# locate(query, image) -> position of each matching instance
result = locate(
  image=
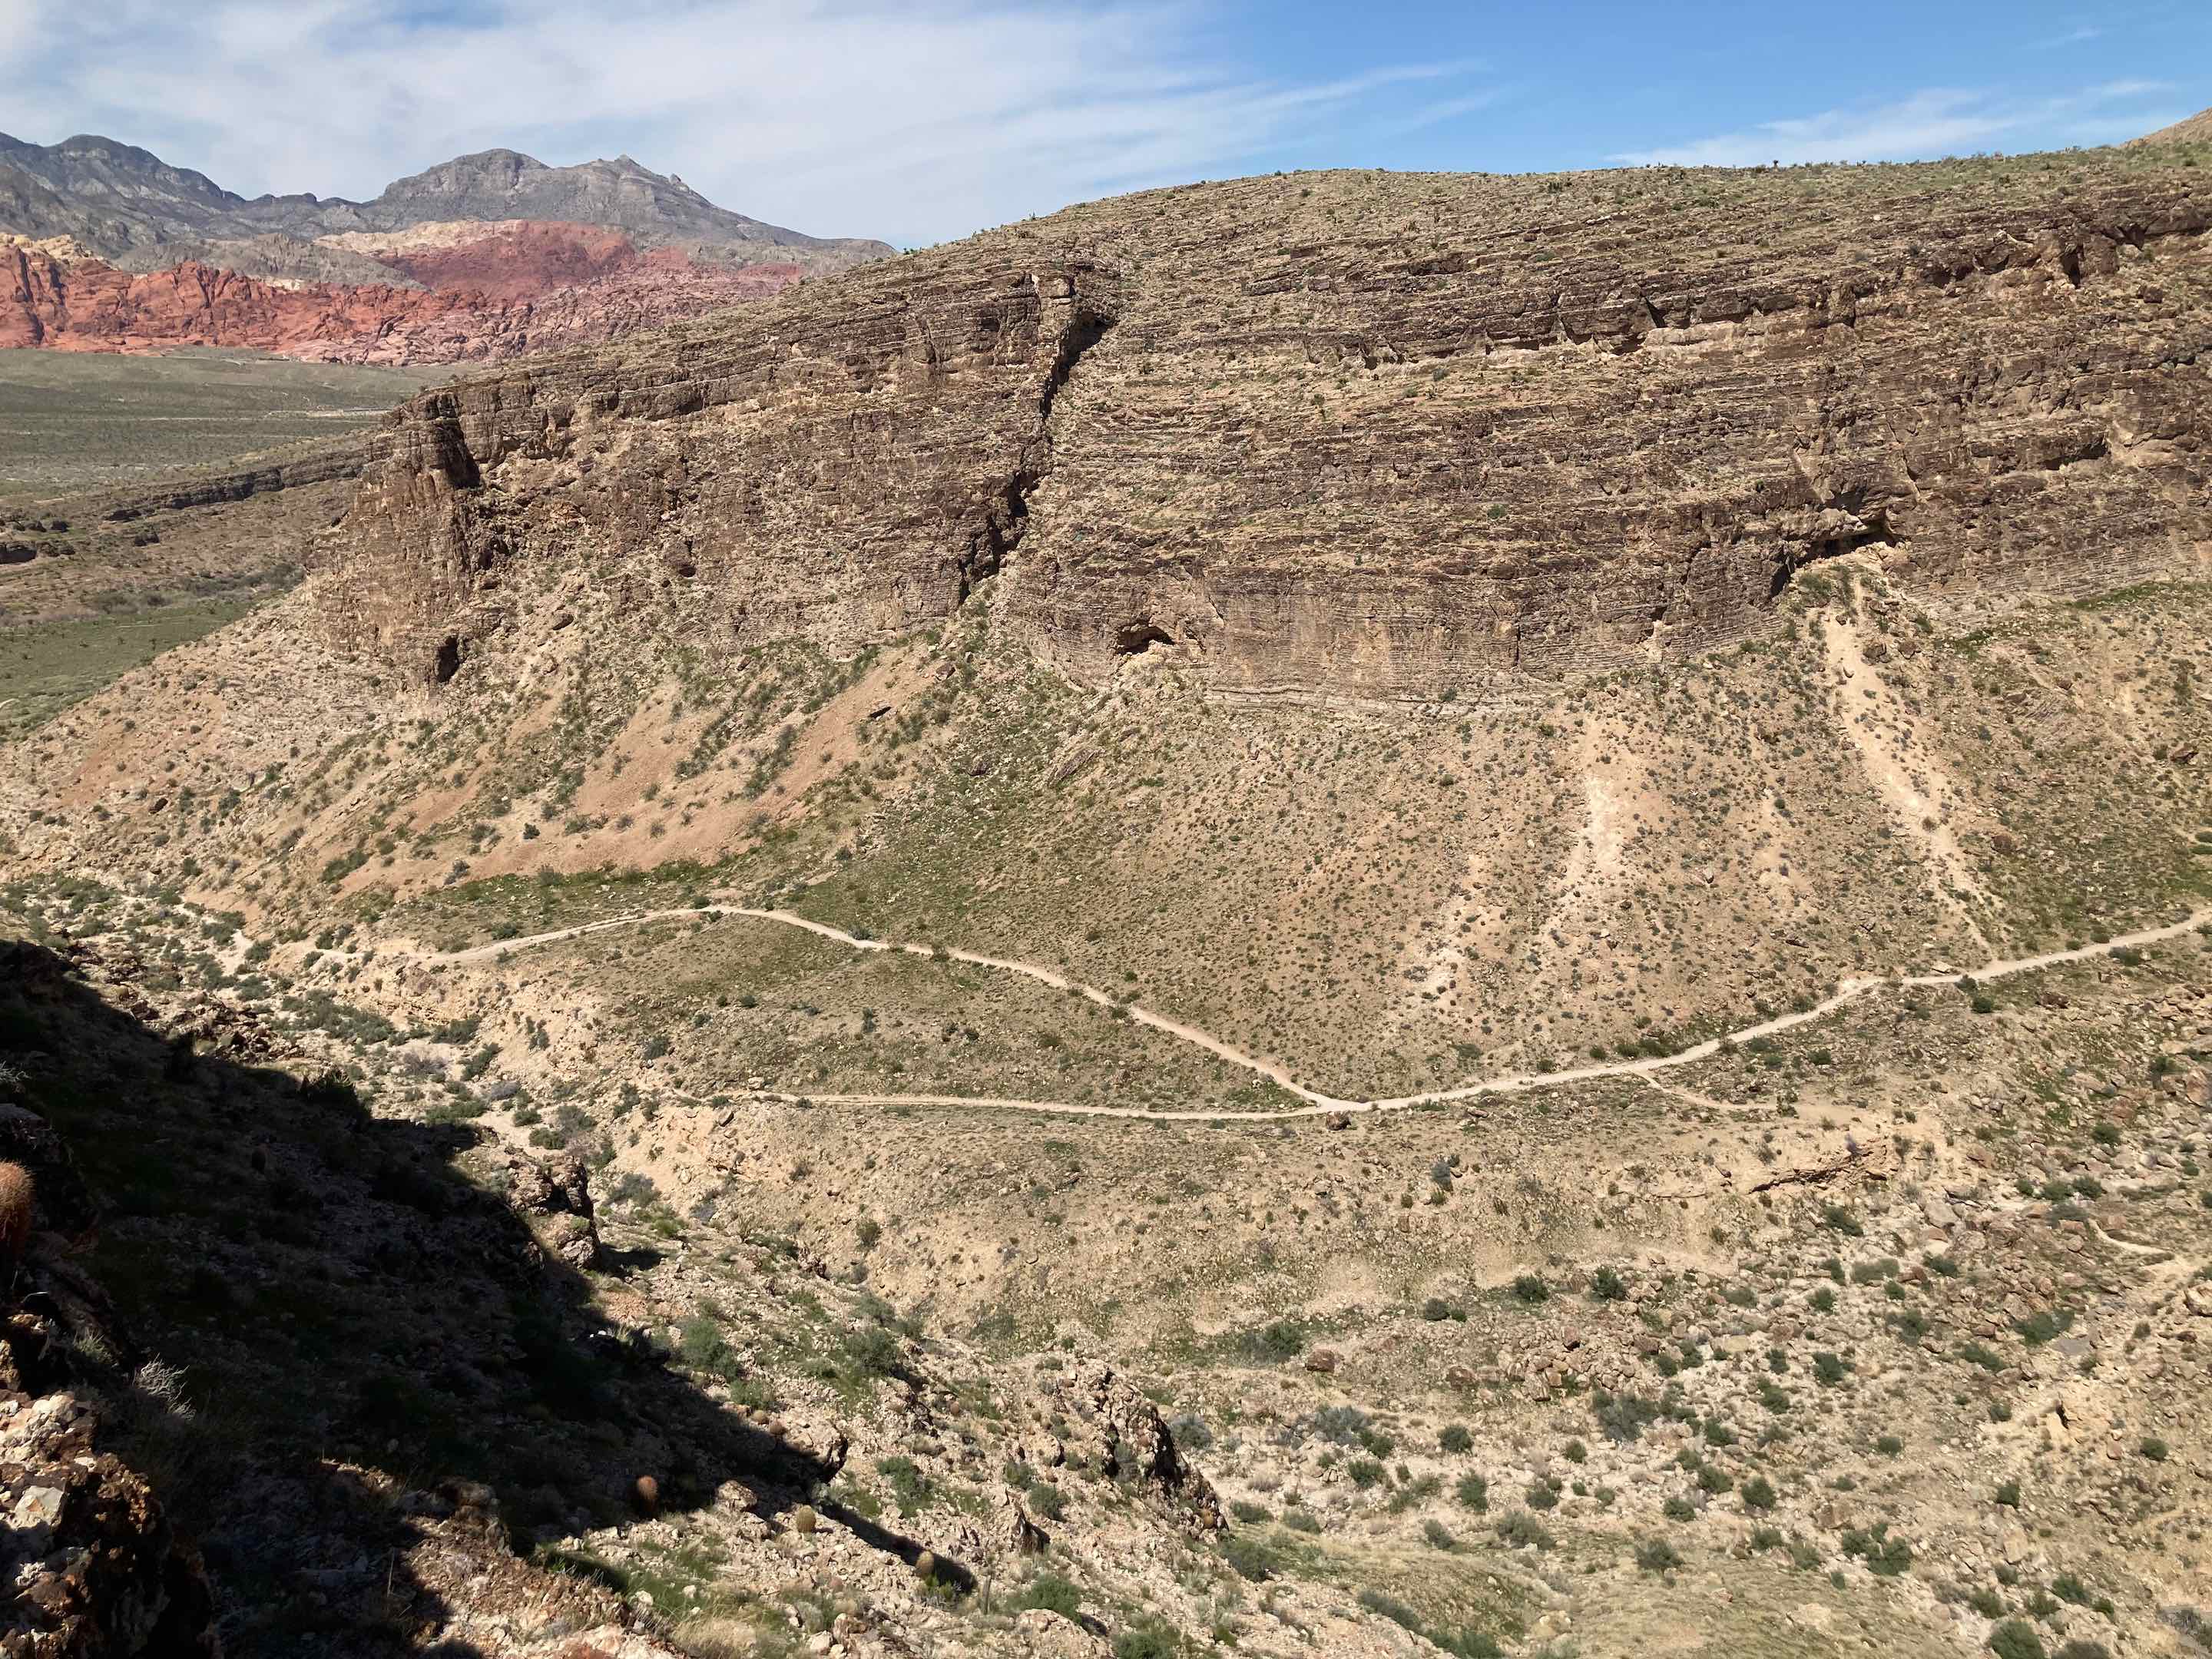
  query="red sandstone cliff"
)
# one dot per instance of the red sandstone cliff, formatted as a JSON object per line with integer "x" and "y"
{"x": 525, "y": 287}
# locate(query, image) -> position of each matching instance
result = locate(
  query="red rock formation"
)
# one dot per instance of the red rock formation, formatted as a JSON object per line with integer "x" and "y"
{"x": 525, "y": 288}
{"x": 521, "y": 261}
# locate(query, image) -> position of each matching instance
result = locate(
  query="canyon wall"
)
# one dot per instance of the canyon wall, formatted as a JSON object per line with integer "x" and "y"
{"x": 1355, "y": 434}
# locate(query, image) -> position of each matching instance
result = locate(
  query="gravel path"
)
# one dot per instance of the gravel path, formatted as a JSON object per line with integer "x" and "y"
{"x": 1318, "y": 1104}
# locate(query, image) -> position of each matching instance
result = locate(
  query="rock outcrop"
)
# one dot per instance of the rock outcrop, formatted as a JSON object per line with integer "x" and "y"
{"x": 888, "y": 445}
{"x": 531, "y": 289}
{"x": 2196, "y": 130}
{"x": 91, "y": 1556}
{"x": 1360, "y": 434}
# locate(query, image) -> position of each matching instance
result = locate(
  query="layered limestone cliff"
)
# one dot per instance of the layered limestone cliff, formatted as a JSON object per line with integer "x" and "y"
{"x": 1357, "y": 434}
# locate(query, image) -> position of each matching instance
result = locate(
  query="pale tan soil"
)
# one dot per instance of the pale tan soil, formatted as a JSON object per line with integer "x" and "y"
{"x": 1319, "y": 1105}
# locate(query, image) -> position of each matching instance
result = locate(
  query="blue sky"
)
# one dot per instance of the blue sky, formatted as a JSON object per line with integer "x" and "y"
{"x": 919, "y": 120}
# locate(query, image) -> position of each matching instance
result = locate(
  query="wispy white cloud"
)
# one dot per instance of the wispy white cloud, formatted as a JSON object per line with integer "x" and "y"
{"x": 913, "y": 119}
{"x": 1937, "y": 121}
{"x": 1436, "y": 114}
{"x": 2073, "y": 37}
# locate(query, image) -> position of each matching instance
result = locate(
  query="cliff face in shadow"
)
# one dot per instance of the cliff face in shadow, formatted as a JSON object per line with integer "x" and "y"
{"x": 353, "y": 1373}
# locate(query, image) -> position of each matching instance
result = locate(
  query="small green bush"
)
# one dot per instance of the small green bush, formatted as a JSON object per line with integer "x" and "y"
{"x": 1249, "y": 1558}
{"x": 1521, "y": 1528}
{"x": 1052, "y": 1593}
{"x": 2015, "y": 1639}
{"x": 1657, "y": 1555}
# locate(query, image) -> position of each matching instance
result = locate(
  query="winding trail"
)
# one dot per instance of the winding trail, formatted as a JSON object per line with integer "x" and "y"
{"x": 1318, "y": 1104}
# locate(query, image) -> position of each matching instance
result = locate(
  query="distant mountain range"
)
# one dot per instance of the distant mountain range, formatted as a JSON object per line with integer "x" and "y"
{"x": 486, "y": 255}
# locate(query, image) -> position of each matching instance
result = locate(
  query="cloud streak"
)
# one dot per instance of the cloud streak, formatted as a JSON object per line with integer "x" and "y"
{"x": 912, "y": 119}
{"x": 1937, "y": 121}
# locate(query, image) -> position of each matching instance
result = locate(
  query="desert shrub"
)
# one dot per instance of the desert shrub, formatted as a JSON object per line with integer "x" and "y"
{"x": 2041, "y": 1327}
{"x": 2008, "y": 1494}
{"x": 1148, "y": 1639}
{"x": 701, "y": 1346}
{"x": 1249, "y": 1558}
{"x": 1758, "y": 1494}
{"x": 1624, "y": 1417}
{"x": 331, "y": 1088}
{"x": 1366, "y": 1472}
{"x": 1455, "y": 1438}
{"x": 1679, "y": 1508}
{"x": 2015, "y": 1639}
{"x": 908, "y": 1484}
{"x": 1474, "y": 1493}
{"x": 1657, "y": 1555}
{"x": 1390, "y": 1607}
{"x": 1249, "y": 1513}
{"x": 1052, "y": 1593}
{"x": 1885, "y": 1556}
{"x": 16, "y": 1208}
{"x": 1974, "y": 1353}
{"x": 2154, "y": 1449}
{"x": 1530, "y": 1291}
{"x": 1438, "y": 1534}
{"x": 1541, "y": 1495}
{"x": 1271, "y": 1344}
{"x": 1521, "y": 1528}
{"x": 1606, "y": 1285}
{"x": 1344, "y": 1425}
{"x": 1190, "y": 1432}
{"x": 1831, "y": 1369}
